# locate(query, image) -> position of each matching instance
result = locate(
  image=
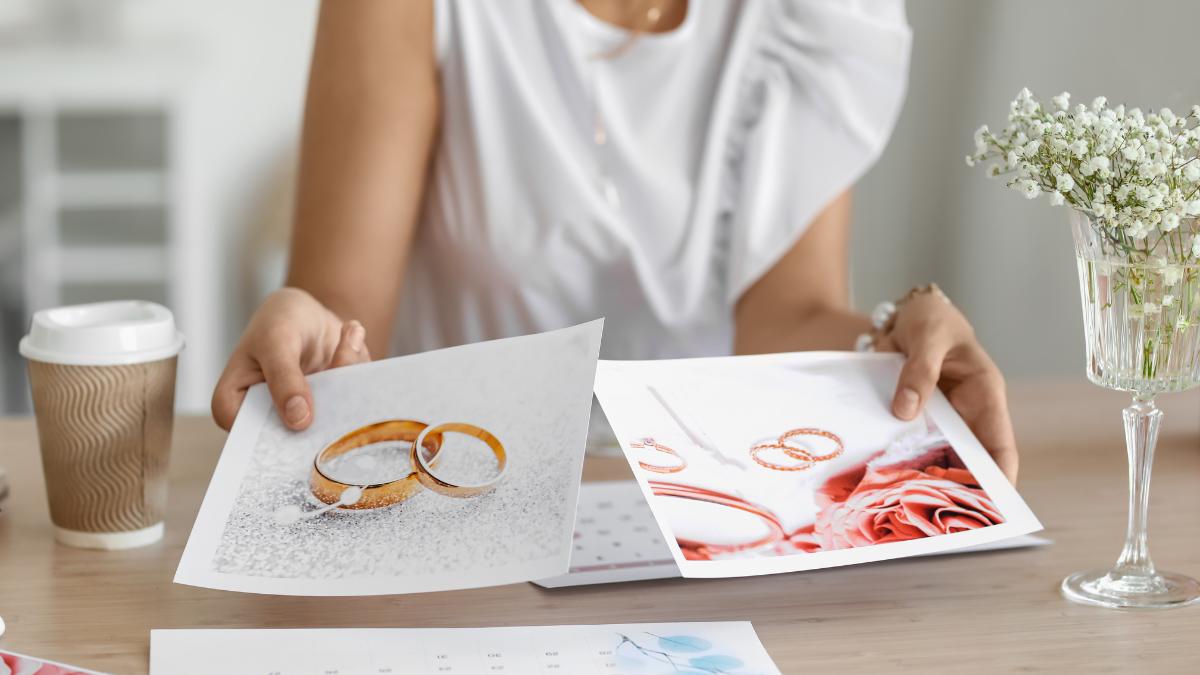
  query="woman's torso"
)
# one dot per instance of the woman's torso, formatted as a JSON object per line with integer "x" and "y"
{"x": 698, "y": 182}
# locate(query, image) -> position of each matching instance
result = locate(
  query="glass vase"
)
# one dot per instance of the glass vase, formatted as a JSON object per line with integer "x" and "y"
{"x": 1141, "y": 317}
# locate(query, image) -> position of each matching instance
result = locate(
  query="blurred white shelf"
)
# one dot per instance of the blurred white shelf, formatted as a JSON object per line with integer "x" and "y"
{"x": 83, "y": 264}
{"x": 75, "y": 104}
{"x": 101, "y": 75}
{"x": 100, "y": 189}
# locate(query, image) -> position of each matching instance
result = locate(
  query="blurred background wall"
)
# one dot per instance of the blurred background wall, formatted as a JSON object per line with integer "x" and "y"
{"x": 147, "y": 148}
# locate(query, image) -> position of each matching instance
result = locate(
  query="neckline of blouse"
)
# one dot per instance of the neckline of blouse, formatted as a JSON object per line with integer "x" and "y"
{"x": 614, "y": 33}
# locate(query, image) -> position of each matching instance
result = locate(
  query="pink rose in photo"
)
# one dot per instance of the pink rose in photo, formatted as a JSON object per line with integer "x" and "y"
{"x": 881, "y": 501}
{"x": 23, "y": 665}
{"x": 898, "y": 504}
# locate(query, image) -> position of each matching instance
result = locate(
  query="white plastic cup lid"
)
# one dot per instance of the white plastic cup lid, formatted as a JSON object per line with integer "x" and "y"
{"x": 102, "y": 334}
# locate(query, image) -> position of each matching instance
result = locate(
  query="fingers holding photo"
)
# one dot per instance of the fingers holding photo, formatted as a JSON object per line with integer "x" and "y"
{"x": 941, "y": 349}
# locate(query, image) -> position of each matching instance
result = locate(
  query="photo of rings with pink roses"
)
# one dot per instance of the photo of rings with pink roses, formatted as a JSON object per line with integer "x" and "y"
{"x": 811, "y": 471}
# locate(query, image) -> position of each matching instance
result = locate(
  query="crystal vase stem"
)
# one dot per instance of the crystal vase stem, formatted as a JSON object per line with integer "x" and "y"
{"x": 1142, "y": 420}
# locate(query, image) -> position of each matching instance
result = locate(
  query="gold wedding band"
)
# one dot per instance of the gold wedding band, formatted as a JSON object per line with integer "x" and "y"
{"x": 329, "y": 490}
{"x": 800, "y": 453}
{"x": 443, "y": 487}
{"x": 779, "y": 445}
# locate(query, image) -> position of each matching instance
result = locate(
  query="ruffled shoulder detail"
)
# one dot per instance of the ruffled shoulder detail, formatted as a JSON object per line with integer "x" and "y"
{"x": 818, "y": 97}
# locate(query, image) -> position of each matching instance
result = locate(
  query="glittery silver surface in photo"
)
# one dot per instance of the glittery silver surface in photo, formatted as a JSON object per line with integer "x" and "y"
{"x": 532, "y": 393}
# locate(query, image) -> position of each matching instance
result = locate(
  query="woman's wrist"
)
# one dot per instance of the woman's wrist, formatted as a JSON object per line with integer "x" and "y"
{"x": 883, "y": 317}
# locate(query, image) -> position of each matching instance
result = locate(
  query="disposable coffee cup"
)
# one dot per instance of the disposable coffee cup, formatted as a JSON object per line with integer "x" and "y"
{"x": 103, "y": 382}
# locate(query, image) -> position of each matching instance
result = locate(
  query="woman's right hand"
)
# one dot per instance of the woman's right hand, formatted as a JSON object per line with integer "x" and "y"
{"x": 292, "y": 334}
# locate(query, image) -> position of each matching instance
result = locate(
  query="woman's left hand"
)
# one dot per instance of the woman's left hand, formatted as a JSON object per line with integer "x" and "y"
{"x": 941, "y": 351}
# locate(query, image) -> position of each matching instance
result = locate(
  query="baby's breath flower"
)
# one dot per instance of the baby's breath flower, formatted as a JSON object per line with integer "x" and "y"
{"x": 1064, "y": 183}
{"x": 1135, "y": 172}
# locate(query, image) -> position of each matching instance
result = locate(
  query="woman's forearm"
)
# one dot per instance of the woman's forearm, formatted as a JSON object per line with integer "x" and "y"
{"x": 821, "y": 329}
{"x": 803, "y": 302}
{"x": 369, "y": 126}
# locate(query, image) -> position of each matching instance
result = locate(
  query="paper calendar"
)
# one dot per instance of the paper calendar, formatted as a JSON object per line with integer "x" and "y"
{"x": 616, "y": 539}
{"x": 731, "y": 648}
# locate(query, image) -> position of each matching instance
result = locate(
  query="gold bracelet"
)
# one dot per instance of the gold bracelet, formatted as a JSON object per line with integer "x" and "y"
{"x": 329, "y": 490}
{"x": 440, "y": 486}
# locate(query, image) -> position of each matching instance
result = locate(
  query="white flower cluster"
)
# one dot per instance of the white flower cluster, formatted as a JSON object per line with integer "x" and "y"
{"x": 1136, "y": 174}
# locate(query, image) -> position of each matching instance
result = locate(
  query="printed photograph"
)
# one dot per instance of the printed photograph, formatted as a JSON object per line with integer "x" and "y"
{"x": 447, "y": 469}
{"x": 917, "y": 487}
{"x": 811, "y": 463}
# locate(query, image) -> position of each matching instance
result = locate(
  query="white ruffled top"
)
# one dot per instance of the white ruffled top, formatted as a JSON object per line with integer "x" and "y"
{"x": 722, "y": 139}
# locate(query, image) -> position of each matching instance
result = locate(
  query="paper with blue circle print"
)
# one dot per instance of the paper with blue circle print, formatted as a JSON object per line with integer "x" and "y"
{"x": 677, "y": 652}
{"x": 688, "y": 648}
{"x": 694, "y": 648}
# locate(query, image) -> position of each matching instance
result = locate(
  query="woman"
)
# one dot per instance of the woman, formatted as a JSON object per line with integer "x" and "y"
{"x": 473, "y": 169}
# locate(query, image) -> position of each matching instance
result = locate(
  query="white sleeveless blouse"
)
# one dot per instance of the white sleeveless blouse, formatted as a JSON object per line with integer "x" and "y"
{"x": 722, "y": 139}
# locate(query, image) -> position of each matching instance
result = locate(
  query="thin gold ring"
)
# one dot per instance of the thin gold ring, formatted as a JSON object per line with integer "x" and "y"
{"x": 655, "y": 445}
{"x": 759, "y": 447}
{"x": 800, "y": 453}
{"x": 443, "y": 487}
{"x": 329, "y": 490}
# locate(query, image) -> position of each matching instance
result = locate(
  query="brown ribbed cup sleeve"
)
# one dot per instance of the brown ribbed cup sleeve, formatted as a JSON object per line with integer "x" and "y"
{"x": 105, "y": 435}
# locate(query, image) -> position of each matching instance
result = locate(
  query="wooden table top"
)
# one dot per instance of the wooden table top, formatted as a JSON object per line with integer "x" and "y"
{"x": 997, "y": 611}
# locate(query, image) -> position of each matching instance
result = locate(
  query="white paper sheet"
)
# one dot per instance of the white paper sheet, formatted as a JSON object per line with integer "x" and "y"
{"x": 617, "y": 540}
{"x": 894, "y": 489}
{"x": 533, "y": 393}
{"x": 730, "y": 648}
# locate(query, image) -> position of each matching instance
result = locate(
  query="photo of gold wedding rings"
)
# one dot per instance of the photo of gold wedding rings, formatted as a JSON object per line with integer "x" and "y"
{"x": 786, "y": 442}
{"x": 426, "y": 445}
